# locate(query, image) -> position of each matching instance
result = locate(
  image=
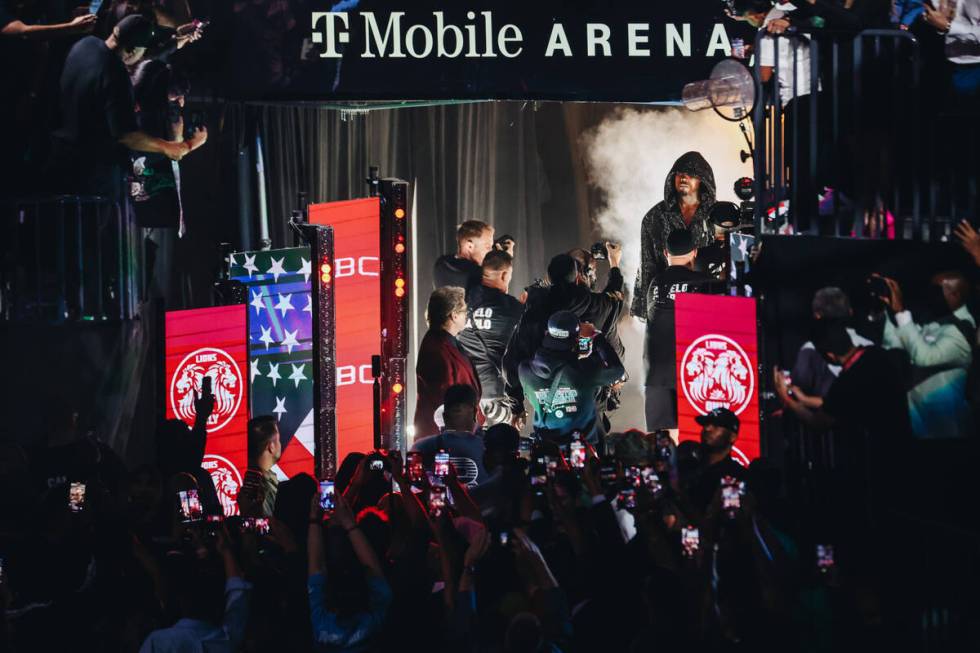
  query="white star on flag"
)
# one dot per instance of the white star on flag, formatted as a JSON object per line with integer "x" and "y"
{"x": 266, "y": 337}
{"x": 284, "y": 305}
{"x": 290, "y": 341}
{"x": 255, "y": 369}
{"x": 250, "y": 264}
{"x": 309, "y": 304}
{"x": 280, "y": 407}
{"x": 297, "y": 374}
{"x": 305, "y": 269}
{"x": 257, "y": 302}
{"x": 274, "y": 373}
{"x": 276, "y": 268}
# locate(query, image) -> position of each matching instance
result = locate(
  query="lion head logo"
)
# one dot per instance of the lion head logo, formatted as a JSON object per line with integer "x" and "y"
{"x": 226, "y": 385}
{"x": 227, "y": 481}
{"x": 717, "y": 373}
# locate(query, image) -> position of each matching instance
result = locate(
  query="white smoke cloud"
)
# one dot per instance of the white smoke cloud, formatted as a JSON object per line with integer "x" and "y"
{"x": 628, "y": 157}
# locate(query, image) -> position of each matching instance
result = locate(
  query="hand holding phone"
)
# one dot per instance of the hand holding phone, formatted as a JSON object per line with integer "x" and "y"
{"x": 415, "y": 468}
{"x": 690, "y": 541}
{"x": 437, "y": 500}
{"x": 577, "y": 455}
{"x": 441, "y": 468}
{"x": 327, "y": 503}
{"x": 76, "y": 497}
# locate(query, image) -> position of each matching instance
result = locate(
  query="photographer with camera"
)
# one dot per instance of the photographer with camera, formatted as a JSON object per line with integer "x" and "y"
{"x": 568, "y": 292}
{"x": 561, "y": 381}
{"x": 940, "y": 352}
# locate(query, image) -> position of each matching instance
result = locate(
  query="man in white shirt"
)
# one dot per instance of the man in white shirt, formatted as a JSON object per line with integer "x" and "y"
{"x": 788, "y": 56}
{"x": 959, "y": 20}
{"x": 941, "y": 353}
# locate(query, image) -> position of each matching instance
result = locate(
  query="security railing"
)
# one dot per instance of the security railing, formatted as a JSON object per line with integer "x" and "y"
{"x": 68, "y": 258}
{"x": 853, "y": 139}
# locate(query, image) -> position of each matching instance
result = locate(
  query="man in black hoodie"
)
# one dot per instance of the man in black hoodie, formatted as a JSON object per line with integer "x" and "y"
{"x": 564, "y": 294}
{"x": 689, "y": 194}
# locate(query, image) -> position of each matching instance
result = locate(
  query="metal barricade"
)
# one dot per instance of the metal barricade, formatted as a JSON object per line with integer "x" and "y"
{"x": 864, "y": 127}
{"x": 68, "y": 258}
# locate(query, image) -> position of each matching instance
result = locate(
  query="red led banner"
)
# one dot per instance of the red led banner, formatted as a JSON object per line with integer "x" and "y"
{"x": 717, "y": 365}
{"x": 212, "y": 342}
{"x": 357, "y": 301}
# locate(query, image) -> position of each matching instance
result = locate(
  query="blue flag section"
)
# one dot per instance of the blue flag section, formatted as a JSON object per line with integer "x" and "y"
{"x": 280, "y": 346}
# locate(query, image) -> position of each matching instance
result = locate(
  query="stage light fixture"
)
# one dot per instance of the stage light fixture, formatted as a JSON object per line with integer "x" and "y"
{"x": 400, "y": 248}
{"x": 399, "y": 213}
{"x": 397, "y": 388}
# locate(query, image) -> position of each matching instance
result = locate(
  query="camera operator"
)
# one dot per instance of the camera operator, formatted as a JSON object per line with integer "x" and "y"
{"x": 940, "y": 352}
{"x": 561, "y": 381}
{"x": 679, "y": 277}
{"x": 567, "y": 292}
{"x": 492, "y": 317}
{"x": 98, "y": 113}
{"x": 689, "y": 194}
{"x": 159, "y": 93}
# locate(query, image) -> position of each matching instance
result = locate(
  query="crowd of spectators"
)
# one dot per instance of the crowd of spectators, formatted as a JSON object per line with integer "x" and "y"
{"x": 648, "y": 545}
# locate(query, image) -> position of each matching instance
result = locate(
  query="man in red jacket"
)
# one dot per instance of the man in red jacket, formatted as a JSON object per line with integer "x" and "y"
{"x": 440, "y": 362}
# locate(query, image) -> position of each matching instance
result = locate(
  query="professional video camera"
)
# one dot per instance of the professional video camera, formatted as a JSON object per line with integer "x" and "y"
{"x": 728, "y": 216}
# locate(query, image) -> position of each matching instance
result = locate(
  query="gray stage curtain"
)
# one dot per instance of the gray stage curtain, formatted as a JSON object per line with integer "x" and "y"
{"x": 515, "y": 165}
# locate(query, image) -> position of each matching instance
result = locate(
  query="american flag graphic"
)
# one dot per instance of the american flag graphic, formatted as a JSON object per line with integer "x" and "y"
{"x": 280, "y": 347}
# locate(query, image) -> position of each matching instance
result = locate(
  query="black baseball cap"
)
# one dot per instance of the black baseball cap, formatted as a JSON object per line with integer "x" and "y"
{"x": 134, "y": 31}
{"x": 719, "y": 417}
{"x": 680, "y": 242}
{"x": 562, "y": 331}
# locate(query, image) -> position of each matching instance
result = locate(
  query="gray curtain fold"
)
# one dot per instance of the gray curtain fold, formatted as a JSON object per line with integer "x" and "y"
{"x": 492, "y": 161}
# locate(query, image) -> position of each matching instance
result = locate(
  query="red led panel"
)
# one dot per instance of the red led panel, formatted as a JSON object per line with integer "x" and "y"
{"x": 212, "y": 342}
{"x": 357, "y": 297}
{"x": 717, "y": 365}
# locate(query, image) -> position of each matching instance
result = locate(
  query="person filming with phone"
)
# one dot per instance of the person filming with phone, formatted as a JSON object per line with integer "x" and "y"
{"x": 562, "y": 378}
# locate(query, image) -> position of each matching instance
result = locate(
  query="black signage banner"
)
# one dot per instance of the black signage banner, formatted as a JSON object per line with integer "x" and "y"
{"x": 616, "y": 50}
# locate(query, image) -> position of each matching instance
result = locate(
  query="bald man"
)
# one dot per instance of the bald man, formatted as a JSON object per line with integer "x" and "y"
{"x": 940, "y": 351}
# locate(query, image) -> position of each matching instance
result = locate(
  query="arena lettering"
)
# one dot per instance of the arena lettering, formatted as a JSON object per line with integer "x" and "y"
{"x": 394, "y": 36}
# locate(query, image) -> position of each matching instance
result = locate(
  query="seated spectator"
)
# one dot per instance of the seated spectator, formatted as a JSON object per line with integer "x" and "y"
{"x": 440, "y": 361}
{"x": 811, "y": 373}
{"x": 257, "y": 497}
{"x": 492, "y": 315}
{"x": 474, "y": 240}
{"x": 204, "y": 625}
{"x": 459, "y": 438}
{"x": 940, "y": 352}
